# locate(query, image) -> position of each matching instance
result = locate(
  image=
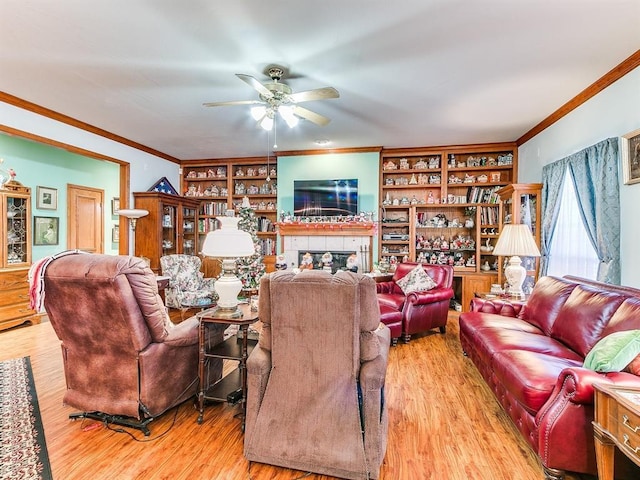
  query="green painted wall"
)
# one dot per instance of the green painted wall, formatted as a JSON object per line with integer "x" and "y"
{"x": 363, "y": 166}
{"x": 46, "y": 166}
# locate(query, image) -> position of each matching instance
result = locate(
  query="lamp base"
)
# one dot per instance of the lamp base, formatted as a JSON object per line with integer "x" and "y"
{"x": 515, "y": 274}
{"x": 227, "y": 312}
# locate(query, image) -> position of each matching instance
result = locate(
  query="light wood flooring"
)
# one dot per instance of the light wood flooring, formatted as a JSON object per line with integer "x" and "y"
{"x": 444, "y": 424}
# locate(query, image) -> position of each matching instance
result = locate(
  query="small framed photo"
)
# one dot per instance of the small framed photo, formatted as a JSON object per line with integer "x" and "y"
{"x": 47, "y": 198}
{"x": 115, "y": 205}
{"x": 45, "y": 230}
{"x": 631, "y": 157}
{"x": 115, "y": 234}
{"x": 495, "y": 177}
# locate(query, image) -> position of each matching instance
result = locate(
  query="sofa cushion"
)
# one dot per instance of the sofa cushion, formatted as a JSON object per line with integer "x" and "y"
{"x": 583, "y": 317}
{"x": 627, "y": 317}
{"x": 417, "y": 280}
{"x": 614, "y": 352}
{"x": 529, "y": 377}
{"x": 544, "y": 304}
{"x": 634, "y": 366}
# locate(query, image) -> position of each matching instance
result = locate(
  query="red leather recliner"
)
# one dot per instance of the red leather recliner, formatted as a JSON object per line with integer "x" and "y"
{"x": 421, "y": 311}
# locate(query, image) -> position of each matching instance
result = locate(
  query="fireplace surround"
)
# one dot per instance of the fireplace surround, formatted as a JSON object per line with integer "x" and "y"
{"x": 340, "y": 239}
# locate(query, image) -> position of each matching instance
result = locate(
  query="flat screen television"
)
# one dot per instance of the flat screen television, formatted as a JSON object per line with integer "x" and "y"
{"x": 325, "y": 197}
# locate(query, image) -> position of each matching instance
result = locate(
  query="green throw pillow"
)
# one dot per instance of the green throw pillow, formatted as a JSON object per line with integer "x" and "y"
{"x": 614, "y": 352}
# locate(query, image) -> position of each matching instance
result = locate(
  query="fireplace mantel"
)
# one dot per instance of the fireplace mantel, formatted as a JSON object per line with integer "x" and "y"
{"x": 310, "y": 229}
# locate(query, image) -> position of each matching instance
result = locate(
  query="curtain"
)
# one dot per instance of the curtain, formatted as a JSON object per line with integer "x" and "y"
{"x": 595, "y": 176}
{"x": 594, "y": 172}
{"x": 553, "y": 176}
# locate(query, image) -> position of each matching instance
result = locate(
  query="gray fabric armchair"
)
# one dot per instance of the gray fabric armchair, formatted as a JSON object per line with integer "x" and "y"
{"x": 316, "y": 378}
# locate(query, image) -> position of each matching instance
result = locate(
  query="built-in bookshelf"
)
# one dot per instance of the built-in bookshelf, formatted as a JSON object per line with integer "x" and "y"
{"x": 442, "y": 205}
{"x": 222, "y": 184}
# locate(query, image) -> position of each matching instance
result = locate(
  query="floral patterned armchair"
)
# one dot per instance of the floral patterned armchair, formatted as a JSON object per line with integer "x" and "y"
{"x": 187, "y": 285}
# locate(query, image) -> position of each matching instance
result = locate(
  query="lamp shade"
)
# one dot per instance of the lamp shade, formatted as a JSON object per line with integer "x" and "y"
{"x": 228, "y": 241}
{"x": 132, "y": 212}
{"x": 516, "y": 239}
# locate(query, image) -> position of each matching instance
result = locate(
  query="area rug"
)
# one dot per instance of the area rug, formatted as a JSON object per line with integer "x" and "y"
{"x": 23, "y": 451}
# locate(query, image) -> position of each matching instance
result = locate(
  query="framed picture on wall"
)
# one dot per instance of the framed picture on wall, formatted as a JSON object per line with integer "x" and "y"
{"x": 45, "y": 230}
{"x": 115, "y": 205}
{"x": 631, "y": 157}
{"x": 115, "y": 234}
{"x": 47, "y": 198}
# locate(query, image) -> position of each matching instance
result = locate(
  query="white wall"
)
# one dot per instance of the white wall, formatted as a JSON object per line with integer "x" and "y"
{"x": 612, "y": 113}
{"x": 145, "y": 169}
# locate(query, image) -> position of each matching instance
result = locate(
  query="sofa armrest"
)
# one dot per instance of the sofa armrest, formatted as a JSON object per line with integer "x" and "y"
{"x": 373, "y": 370}
{"x": 184, "y": 333}
{"x": 576, "y": 383}
{"x": 430, "y": 296}
{"x": 497, "y": 306}
{"x": 385, "y": 287}
{"x": 258, "y": 371}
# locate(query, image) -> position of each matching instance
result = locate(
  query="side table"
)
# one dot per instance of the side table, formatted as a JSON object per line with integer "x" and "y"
{"x": 616, "y": 423}
{"x": 501, "y": 296}
{"x": 233, "y": 348}
{"x": 201, "y": 303}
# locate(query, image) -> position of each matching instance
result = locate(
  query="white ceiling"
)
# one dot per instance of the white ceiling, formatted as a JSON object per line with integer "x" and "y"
{"x": 409, "y": 72}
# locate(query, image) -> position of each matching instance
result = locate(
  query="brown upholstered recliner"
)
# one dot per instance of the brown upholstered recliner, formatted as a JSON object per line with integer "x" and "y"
{"x": 124, "y": 361}
{"x": 421, "y": 311}
{"x": 316, "y": 378}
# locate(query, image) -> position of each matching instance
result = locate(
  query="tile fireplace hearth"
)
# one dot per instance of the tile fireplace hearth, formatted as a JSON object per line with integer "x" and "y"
{"x": 341, "y": 239}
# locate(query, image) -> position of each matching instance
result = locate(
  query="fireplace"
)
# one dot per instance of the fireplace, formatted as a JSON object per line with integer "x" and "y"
{"x": 340, "y": 239}
{"x": 339, "y": 261}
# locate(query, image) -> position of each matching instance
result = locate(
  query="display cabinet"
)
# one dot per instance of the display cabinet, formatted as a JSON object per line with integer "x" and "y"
{"x": 521, "y": 203}
{"x": 15, "y": 256}
{"x": 171, "y": 227}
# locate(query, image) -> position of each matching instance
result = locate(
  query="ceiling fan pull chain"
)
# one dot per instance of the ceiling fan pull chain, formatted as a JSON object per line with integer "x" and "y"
{"x": 275, "y": 135}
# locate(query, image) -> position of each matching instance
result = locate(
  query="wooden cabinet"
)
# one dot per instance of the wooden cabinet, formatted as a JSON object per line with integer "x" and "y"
{"x": 616, "y": 424}
{"x": 222, "y": 184}
{"x": 172, "y": 226}
{"x": 15, "y": 256}
{"x": 521, "y": 203}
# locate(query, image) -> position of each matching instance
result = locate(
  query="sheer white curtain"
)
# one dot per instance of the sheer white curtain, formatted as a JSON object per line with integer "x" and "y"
{"x": 571, "y": 252}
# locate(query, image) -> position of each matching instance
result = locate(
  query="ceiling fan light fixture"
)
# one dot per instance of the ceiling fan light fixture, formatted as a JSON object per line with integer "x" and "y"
{"x": 286, "y": 112}
{"x": 267, "y": 122}
{"x": 258, "y": 113}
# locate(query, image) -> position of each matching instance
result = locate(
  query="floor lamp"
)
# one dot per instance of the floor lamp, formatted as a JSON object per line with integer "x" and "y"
{"x": 228, "y": 243}
{"x": 133, "y": 214}
{"x": 515, "y": 241}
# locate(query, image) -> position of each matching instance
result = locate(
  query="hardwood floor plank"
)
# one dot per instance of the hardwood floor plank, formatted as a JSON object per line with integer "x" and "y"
{"x": 444, "y": 423}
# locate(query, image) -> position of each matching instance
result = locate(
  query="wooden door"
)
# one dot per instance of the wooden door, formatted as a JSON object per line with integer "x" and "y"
{"x": 85, "y": 218}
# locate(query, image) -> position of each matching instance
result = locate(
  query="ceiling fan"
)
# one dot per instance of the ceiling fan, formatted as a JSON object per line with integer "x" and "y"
{"x": 277, "y": 97}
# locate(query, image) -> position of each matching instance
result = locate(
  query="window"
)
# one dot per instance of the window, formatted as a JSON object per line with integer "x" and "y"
{"x": 571, "y": 252}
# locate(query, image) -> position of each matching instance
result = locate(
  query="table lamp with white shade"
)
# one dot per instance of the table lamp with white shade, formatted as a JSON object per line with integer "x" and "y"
{"x": 133, "y": 214}
{"x": 228, "y": 243}
{"x": 515, "y": 241}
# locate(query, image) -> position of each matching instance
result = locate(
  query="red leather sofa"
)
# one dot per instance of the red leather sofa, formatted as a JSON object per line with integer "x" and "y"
{"x": 420, "y": 311}
{"x": 532, "y": 358}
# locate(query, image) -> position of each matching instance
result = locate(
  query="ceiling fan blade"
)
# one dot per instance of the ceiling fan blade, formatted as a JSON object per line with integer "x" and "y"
{"x": 253, "y": 83}
{"x": 239, "y": 102}
{"x": 317, "y": 94}
{"x": 311, "y": 116}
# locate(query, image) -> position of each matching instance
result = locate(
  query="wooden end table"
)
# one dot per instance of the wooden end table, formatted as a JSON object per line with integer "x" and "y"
{"x": 233, "y": 348}
{"x": 616, "y": 423}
